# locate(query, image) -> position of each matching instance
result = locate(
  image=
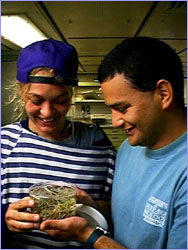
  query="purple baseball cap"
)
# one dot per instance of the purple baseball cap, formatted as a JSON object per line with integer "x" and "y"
{"x": 58, "y": 55}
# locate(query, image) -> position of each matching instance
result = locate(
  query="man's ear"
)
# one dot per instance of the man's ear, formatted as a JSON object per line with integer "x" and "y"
{"x": 165, "y": 93}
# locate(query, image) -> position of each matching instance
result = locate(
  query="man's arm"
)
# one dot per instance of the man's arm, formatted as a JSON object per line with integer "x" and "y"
{"x": 104, "y": 242}
{"x": 76, "y": 228}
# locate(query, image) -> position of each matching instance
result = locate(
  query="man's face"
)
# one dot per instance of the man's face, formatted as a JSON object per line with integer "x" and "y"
{"x": 138, "y": 113}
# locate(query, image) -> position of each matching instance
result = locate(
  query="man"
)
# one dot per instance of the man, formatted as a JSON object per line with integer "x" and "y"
{"x": 142, "y": 82}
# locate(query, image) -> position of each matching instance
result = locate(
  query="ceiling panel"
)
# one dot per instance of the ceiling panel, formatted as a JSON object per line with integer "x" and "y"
{"x": 169, "y": 20}
{"x": 95, "y": 27}
{"x": 96, "y": 47}
{"x": 90, "y": 60}
{"x": 98, "y": 19}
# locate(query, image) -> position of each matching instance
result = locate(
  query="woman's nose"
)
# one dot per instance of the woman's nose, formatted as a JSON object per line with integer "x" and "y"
{"x": 117, "y": 119}
{"x": 46, "y": 109}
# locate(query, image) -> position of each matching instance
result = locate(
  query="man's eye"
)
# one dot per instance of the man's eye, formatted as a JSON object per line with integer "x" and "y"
{"x": 60, "y": 102}
{"x": 122, "y": 110}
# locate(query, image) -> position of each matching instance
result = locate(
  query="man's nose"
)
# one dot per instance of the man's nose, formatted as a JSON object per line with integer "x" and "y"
{"x": 117, "y": 119}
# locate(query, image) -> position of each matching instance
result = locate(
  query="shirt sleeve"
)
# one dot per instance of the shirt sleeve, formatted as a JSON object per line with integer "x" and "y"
{"x": 90, "y": 135}
{"x": 177, "y": 238}
{"x": 101, "y": 138}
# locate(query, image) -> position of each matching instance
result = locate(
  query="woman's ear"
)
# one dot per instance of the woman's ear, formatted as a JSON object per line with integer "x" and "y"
{"x": 165, "y": 93}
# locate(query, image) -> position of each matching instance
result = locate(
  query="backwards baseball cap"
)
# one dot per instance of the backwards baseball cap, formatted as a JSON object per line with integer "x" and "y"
{"x": 58, "y": 55}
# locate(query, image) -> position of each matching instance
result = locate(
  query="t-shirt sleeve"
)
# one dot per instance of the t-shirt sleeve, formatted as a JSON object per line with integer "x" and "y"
{"x": 177, "y": 236}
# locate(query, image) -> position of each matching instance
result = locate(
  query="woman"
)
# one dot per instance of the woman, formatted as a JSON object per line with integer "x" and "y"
{"x": 47, "y": 146}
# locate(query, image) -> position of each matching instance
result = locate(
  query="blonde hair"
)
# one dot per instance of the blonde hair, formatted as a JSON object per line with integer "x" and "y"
{"x": 19, "y": 92}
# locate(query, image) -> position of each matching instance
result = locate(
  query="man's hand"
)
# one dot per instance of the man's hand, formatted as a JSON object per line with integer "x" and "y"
{"x": 72, "y": 228}
{"x": 17, "y": 217}
{"x": 76, "y": 228}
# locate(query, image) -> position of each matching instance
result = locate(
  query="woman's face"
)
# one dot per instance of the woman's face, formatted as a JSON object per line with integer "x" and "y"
{"x": 46, "y": 106}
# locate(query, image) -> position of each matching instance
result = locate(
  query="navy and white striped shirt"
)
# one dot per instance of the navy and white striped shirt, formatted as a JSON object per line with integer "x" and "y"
{"x": 86, "y": 159}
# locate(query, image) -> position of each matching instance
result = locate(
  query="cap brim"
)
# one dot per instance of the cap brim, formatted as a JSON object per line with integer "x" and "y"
{"x": 53, "y": 80}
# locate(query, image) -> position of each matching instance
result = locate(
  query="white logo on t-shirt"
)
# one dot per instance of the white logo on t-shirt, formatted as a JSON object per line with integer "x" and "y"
{"x": 155, "y": 212}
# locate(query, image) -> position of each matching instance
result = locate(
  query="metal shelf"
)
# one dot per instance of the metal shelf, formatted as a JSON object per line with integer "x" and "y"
{"x": 85, "y": 101}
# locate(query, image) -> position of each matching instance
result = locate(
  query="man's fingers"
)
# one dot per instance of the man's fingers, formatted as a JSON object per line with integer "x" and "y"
{"x": 55, "y": 225}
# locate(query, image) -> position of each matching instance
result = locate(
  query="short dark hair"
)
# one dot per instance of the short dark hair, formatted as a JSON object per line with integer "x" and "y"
{"x": 144, "y": 61}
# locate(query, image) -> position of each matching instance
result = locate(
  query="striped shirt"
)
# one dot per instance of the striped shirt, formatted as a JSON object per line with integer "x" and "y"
{"x": 85, "y": 159}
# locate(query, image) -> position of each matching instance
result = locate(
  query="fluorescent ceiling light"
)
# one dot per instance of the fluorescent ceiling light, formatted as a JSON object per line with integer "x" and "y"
{"x": 20, "y": 30}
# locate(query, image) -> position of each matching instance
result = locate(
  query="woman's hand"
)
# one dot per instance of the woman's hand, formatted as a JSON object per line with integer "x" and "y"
{"x": 102, "y": 206}
{"x": 17, "y": 217}
{"x": 72, "y": 228}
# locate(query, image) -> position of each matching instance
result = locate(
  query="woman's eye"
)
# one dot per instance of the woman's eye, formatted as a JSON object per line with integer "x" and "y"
{"x": 61, "y": 101}
{"x": 36, "y": 102}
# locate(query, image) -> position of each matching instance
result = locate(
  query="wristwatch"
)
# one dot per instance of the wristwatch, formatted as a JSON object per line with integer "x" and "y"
{"x": 94, "y": 236}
